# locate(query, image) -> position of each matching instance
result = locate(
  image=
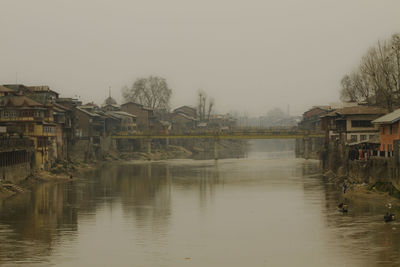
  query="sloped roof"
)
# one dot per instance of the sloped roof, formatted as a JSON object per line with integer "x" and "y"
{"x": 358, "y": 110}
{"x": 388, "y": 118}
{"x": 16, "y": 87}
{"x": 185, "y": 116}
{"x": 122, "y": 113}
{"x": 131, "y": 102}
{"x": 183, "y": 107}
{"x": 41, "y": 88}
{"x": 137, "y": 104}
{"x": 112, "y": 105}
{"x": 4, "y": 89}
{"x": 19, "y": 101}
{"x": 92, "y": 114}
{"x": 61, "y": 106}
{"x": 323, "y": 107}
{"x": 374, "y": 140}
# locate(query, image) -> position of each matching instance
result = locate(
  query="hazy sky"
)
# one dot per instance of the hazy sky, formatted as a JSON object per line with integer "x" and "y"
{"x": 249, "y": 55}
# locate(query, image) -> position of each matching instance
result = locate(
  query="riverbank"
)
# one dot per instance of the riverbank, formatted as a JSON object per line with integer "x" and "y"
{"x": 64, "y": 171}
{"x": 380, "y": 194}
{"x": 61, "y": 172}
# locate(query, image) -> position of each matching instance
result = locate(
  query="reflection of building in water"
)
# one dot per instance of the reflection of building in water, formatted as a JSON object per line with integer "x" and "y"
{"x": 36, "y": 218}
{"x": 144, "y": 191}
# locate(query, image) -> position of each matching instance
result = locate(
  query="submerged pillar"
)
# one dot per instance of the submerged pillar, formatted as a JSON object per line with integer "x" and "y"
{"x": 306, "y": 148}
{"x": 215, "y": 148}
{"x": 148, "y": 146}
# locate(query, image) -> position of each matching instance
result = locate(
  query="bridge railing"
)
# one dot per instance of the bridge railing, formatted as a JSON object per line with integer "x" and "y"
{"x": 289, "y": 133}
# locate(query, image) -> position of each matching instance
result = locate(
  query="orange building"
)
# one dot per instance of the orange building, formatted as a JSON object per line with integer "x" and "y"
{"x": 389, "y": 130}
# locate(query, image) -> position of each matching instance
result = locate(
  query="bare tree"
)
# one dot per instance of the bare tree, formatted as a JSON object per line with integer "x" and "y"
{"x": 376, "y": 81}
{"x": 210, "y": 107}
{"x": 204, "y": 106}
{"x": 152, "y": 92}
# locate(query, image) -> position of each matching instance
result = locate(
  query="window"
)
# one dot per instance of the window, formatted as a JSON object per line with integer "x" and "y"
{"x": 359, "y": 123}
{"x": 38, "y": 114}
{"x": 390, "y": 149}
{"x": 353, "y": 138}
{"x": 382, "y": 129}
{"x": 30, "y": 128}
{"x": 363, "y": 137}
{"x": 371, "y": 136}
{"x": 389, "y": 129}
{"x": 26, "y": 113}
{"x": 395, "y": 128}
{"x": 48, "y": 129}
{"x": 9, "y": 113}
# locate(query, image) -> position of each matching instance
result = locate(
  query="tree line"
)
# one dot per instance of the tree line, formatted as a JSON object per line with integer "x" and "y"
{"x": 376, "y": 81}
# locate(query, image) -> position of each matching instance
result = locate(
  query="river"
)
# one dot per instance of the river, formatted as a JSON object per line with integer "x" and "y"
{"x": 269, "y": 209}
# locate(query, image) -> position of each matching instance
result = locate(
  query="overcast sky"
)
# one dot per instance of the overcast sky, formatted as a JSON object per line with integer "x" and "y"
{"x": 249, "y": 55}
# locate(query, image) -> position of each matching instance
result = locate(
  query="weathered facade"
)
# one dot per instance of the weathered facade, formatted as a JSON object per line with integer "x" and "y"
{"x": 25, "y": 117}
{"x": 182, "y": 123}
{"x": 16, "y": 158}
{"x": 312, "y": 118}
{"x": 144, "y": 116}
{"x": 389, "y": 131}
{"x": 352, "y": 124}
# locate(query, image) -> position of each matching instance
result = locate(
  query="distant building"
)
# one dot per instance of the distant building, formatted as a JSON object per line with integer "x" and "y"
{"x": 126, "y": 122}
{"x": 4, "y": 91}
{"x": 110, "y": 104}
{"x": 144, "y": 116}
{"x": 187, "y": 110}
{"x": 88, "y": 124}
{"x": 182, "y": 123}
{"x": 311, "y": 118}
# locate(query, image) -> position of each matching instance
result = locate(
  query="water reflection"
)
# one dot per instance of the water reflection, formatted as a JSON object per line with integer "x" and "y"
{"x": 231, "y": 212}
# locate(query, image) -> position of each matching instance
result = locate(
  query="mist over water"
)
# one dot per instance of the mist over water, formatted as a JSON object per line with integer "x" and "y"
{"x": 269, "y": 209}
{"x": 271, "y": 149}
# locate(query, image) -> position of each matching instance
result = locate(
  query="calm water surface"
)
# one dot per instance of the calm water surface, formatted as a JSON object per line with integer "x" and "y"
{"x": 269, "y": 209}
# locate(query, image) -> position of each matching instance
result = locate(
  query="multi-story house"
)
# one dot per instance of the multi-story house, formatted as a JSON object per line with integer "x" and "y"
{"x": 26, "y": 117}
{"x": 352, "y": 124}
{"x": 312, "y": 118}
{"x": 145, "y": 118}
{"x": 88, "y": 124}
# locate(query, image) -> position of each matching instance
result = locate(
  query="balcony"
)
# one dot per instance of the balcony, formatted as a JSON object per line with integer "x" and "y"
{"x": 15, "y": 143}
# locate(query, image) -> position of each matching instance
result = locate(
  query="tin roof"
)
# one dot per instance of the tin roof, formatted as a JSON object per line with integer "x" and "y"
{"x": 19, "y": 101}
{"x": 357, "y": 110}
{"x": 4, "y": 89}
{"x": 388, "y": 118}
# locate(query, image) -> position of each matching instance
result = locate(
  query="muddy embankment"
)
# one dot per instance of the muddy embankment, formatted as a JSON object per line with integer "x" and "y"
{"x": 376, "y": 178}
{"x": 85, "y": 156}
{"x": 60, "y": 172}
{"x": 378, "y": 175}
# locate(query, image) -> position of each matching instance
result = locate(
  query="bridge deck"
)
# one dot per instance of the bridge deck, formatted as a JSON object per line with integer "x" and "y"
{"x": 280, "y": 135}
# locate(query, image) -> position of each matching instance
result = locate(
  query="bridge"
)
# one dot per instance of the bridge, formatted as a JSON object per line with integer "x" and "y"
{"x": 215, "y": 136}
{"x": 235, "y": 134}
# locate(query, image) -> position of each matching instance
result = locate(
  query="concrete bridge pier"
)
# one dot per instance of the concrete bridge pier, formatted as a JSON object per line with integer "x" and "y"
{"x": 306, "y": 148}
{"x": 216, "y": 148}
{"x": 148, "y": 145}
